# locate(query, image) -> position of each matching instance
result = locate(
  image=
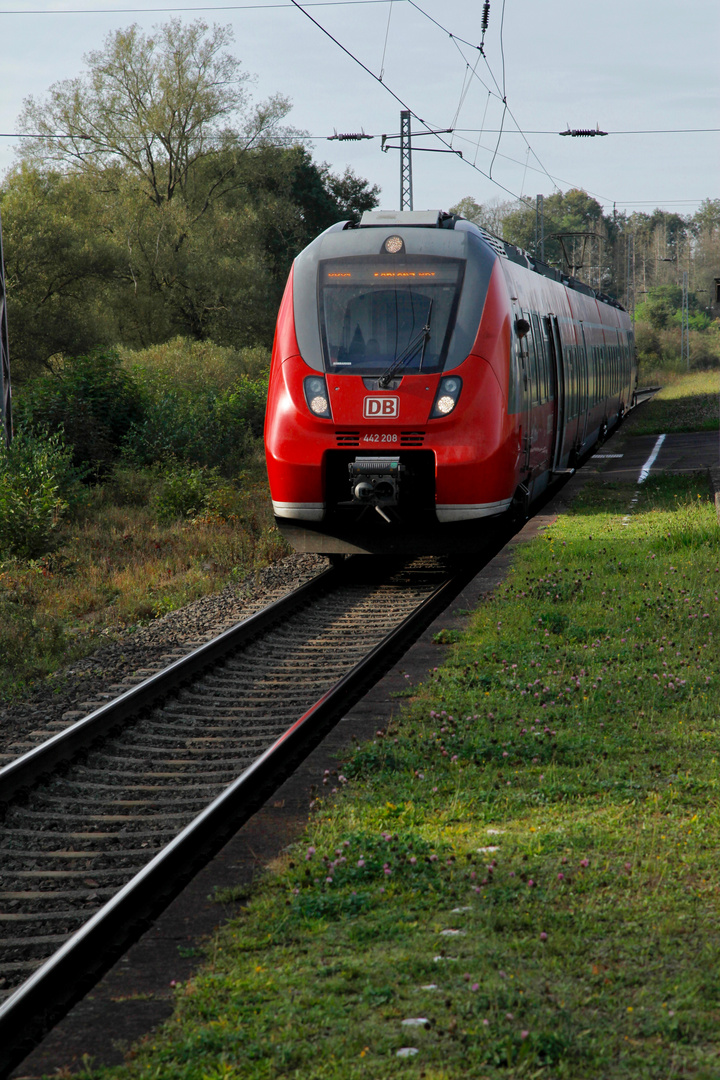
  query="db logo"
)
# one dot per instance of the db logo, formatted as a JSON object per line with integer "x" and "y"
{"x": 381, "y": 407}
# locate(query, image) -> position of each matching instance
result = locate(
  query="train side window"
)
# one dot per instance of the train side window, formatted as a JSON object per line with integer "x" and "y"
{"x": 590, "y": 353}
{"x": 582, "y": 377}
{"x": 601, "y": 371}
{"x": 551, "y": 371}
{"x": 616, "y": 368}
{"x": 614, "y": 372}
{"x": 569, "y": 352}
{"x": 532, "y": 361}
{"x": 542, "y": 359}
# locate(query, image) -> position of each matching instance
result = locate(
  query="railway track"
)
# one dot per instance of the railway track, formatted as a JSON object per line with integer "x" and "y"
{"x": 646, "y": 393}
{"x": 106, "y": 821}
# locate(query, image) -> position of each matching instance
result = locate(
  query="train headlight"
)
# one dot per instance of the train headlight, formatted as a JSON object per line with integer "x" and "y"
{"x": 316, "y": 396}
{"x": 447, "y": 396}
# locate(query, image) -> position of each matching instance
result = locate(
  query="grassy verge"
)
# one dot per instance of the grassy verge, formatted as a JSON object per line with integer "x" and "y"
{"x": 687, "y": 402}
{"x": 145, "y": 543}
{"x": 525, "y": 866}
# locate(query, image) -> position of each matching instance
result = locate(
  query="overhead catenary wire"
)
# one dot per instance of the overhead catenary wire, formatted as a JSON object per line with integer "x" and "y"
{"x": 195, "y": 7}
{"x": 499, "y": 92}
{"x": 387, "y": 34}
{"x": 397, "y": 97}
{"x": 301, "y": 136}
{"x": 450, "y": 130}
{"x": 526, "y": 202}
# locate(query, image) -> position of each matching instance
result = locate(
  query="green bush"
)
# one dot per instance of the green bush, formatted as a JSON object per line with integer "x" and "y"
{"x": 662, "y": 308}
{"x": 38, "y": 485}
{"x": 90, "y": 399}
{"x": 184, "y": 492}
{"x": 195, "y": 365}
{"x": 210, "y": 427}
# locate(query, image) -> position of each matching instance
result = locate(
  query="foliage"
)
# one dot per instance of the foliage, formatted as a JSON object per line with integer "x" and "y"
{"x": 195, "y": 365}
{"x": 627, "y": 255}
{"x": 58, "y": 263}
{"x": 156, "y": 105}
{"x": 184, "y": 492}
{"x": 205, "y": 427}
{"x": 663, "y": 307}
{"x": 170, "y": 208}
{"x": 185, "y": 401}
{"x": 90, "y": 399}
{"x": 37, "y": 486}
{"x": 517, "y": 877}
{"x": 489, "y": 216}
{"x": 659, "y": 351}
{"x": 574, "y": 212}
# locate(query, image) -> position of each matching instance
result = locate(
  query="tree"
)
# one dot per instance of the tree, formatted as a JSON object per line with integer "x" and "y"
{"x": 58, "y": 264}
{"x": 576, "y": 235}
{"x": 490, "y": 216}
{"x": 188, "y": 188}
{"x": 155, "y": 105}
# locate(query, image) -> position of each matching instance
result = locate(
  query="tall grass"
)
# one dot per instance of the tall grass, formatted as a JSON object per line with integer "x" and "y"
{"x": 687, "y": 402}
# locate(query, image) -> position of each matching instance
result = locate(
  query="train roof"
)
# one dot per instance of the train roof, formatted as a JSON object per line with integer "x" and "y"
{"x": 440, "y": 219}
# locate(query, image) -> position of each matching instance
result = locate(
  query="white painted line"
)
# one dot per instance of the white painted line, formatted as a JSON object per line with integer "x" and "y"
{"x": 645, "y": 471}
{"x": 608, "y": 455}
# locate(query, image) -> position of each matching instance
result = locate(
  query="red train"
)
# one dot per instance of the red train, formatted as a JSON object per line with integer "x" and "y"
{"x": 426, "y": 377}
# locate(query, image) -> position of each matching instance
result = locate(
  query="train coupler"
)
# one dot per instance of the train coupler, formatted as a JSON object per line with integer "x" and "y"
{"x": 375, "y": 482}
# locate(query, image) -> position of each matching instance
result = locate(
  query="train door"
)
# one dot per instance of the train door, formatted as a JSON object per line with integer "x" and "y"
{"x": 533, "y": 394}
{"x": 582, "y": 374}
{"x": 543, "y": 401}
{"x": 556, "y": 387}
{"x": 522, "y": 329}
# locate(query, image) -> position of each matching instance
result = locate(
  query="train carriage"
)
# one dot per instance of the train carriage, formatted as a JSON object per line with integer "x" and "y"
{"x": 428, "y": 377}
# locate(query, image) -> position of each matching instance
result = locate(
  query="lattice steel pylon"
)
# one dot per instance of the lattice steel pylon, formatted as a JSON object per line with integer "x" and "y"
{"x": 406, "y": 186}
{"x": 685, "y": 324}
{"x": 5, "y": 394}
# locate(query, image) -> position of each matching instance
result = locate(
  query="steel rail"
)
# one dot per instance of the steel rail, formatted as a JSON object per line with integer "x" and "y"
{"x": 646, "y": 393}
{"x": 54, "y": 987}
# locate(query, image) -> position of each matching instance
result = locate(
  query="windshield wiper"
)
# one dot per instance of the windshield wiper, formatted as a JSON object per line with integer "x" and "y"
{"x": 420, "y": 340}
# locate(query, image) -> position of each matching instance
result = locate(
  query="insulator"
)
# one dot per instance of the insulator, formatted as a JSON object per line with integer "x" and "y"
{"x": 485, "y": 16}
{"x": 583, "y": 133}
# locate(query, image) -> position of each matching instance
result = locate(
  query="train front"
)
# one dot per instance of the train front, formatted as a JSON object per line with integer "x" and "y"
{"x": 387, "y": 426}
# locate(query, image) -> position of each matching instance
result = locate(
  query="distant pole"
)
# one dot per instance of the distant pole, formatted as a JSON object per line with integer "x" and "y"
{"x": 5, "y": 394}
{"x": 406, "y": 184}
{"x": 540, "y": 227}
{"x": 685, "y": 324}
{"x": 631, "y": 273}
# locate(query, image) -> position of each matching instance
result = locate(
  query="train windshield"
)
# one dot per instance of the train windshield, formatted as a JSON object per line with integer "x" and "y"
{"x": 373, "y": 311}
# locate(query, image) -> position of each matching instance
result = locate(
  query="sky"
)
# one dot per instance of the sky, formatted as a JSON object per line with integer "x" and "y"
{"x": 625, "y": 65}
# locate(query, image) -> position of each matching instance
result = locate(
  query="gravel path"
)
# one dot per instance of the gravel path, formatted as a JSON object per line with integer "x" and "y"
{"x": 76, "y": 690}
